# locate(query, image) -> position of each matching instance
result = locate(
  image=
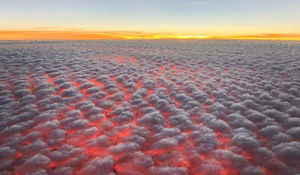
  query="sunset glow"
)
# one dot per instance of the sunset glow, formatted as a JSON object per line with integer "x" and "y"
{"x": 86, "y": 35}
{"x": 134, "y": 19}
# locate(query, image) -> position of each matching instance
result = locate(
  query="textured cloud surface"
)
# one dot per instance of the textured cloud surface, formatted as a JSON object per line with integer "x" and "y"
{"x": 150, "y": 107}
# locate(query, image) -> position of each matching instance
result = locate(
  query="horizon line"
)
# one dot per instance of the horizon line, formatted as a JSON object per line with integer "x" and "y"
{"x": 15, "y": 35}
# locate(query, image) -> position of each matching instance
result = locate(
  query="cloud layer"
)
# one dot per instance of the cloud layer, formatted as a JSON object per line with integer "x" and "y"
{"x": 149, "y": 107}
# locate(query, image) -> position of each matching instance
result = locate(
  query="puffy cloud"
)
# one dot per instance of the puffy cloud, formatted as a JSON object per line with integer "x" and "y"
{"x": 165, "y": 144}
{"x": 239, "y": 121}
{"x": 295, "y": 132}
{"x": 219, "y": 125}
{"x": 35, "y": 147}
{"x": 289, "y": 152}
{"x": 62, "y": 170}
{"x": 269, "y": 131}
{"x": 252, "y": 170}
{"x": 169, "y": 170}
{"x": 70, "y": 92}
{"x": 276, "y": 115}
{"x": 98, "y": 166}
{"x": 204, "y": 139}
{"x": 245, "y": 141}
{"x": 102, "y": 142}
{"x": 34, "y": 163}
{"x": 152, "y": 120}
{"x": 134, "y": 163}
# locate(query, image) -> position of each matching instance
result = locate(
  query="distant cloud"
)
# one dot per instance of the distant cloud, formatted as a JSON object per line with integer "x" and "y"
{"x": 268, "y": 36}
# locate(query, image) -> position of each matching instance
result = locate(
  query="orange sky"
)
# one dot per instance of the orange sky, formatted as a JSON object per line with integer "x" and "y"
{"x": 41, "y": 34}
{"x": 155, "y": 19}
